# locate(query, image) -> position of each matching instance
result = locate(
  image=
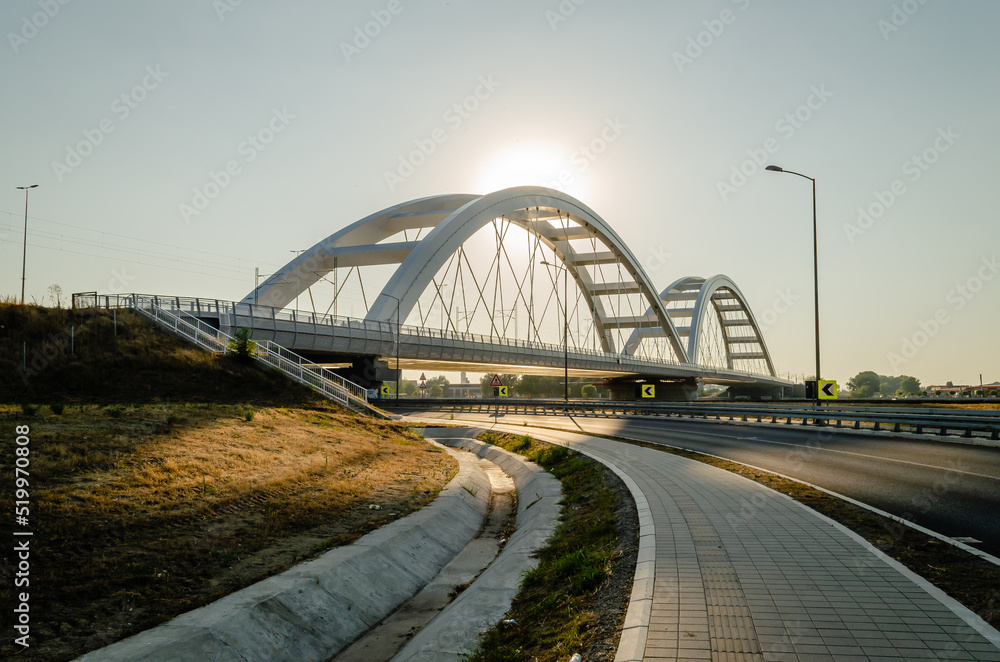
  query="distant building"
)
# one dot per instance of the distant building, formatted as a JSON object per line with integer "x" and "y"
{"x": 464, "y": 390}
{"x": 959, "y": 389}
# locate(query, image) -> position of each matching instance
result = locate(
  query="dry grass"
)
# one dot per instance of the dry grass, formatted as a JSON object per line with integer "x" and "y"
{"x": 143, "y": 512}
{"x": 59, "y": 355}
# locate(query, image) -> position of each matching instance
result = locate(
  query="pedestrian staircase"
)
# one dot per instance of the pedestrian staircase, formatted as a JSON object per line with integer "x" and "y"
{"x": 170, "y": 318}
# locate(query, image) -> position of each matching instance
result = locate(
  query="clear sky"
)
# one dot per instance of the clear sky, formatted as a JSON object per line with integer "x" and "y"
{"x": 124, "y": 112}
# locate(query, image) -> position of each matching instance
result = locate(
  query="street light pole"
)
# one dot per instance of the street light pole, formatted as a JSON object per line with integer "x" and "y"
{"x": 24, "y": 252}
{"x": 774, "y": 168}
{"x": 565, "y": 327}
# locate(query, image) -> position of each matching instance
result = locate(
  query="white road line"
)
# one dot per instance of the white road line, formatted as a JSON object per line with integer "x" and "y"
{"x": 831, "y": 450}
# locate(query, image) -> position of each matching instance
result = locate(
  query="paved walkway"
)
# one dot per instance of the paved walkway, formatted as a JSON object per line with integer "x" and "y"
{"x": 745, "y": 573}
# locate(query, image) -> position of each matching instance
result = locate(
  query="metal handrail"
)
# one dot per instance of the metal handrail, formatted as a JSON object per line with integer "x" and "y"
{"x": 328, "y": 383}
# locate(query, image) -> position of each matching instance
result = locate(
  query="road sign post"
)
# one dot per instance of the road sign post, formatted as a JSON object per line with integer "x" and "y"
{"x": 497, "y": 385}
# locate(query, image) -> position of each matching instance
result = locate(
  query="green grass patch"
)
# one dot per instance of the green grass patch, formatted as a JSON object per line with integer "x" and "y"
{"x": 553, "y": 609}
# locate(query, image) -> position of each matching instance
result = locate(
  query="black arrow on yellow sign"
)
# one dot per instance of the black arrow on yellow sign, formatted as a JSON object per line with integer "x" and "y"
{"x": 649, "y": 390}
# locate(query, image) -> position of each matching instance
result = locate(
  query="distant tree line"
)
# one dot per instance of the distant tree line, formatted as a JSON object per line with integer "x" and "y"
{"x": 869, "y": 384}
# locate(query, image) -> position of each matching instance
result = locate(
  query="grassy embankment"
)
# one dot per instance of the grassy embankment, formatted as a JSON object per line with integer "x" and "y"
{"x": 554, "y": 609}
{"x": 162, "y": 478}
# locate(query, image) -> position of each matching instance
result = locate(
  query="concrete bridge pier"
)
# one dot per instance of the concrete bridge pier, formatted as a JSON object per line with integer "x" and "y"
{"x": 757, "y": 392}
{"x": 630, "y": 388}
{"x": 368, "y": 371}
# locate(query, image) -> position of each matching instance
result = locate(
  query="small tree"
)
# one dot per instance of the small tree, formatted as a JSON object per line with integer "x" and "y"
{"x": 589, "y": 391}
{"x": 242, "y": 346}
{"x": 55, "y": 295}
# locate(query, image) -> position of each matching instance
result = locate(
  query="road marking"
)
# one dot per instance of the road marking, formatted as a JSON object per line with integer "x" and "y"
{"x": 831, "y": 450}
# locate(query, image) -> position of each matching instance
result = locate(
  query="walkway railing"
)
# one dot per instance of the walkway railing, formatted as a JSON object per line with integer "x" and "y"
{"x": 351, "y": 327}
{"x": 166, "y": 313}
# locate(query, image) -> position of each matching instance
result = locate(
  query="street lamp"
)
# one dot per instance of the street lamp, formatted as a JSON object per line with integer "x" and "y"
{"x": 565, "y": 326}
{"x": 774, "y": 168}
{"x": 24, "y": 253}
{"x": 398, "y": 304}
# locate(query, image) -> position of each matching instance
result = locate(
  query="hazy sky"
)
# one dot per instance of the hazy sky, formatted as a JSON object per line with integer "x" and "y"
{"x": 125, "y": 113}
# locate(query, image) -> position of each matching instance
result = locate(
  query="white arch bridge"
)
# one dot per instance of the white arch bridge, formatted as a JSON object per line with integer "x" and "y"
{"x": 520, "y": 281}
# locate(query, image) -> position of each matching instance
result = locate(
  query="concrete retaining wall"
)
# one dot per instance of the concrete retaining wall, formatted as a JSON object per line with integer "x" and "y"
{"x": 456, "y": 630}
{"x": 317, "y": 608}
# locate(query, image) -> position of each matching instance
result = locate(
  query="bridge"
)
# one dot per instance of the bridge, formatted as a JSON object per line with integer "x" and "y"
{"x": 476, "y": 286}
{"x": 526, "y": 280}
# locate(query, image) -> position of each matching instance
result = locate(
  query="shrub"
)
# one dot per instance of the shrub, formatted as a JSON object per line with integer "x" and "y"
{"x": 248, "y": 415}
{"x": 241, "y": 345}
{"x": 28, "y": 410}
{"x": 57, "y": 408}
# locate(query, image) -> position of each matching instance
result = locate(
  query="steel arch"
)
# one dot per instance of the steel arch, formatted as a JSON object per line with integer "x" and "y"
{"x": 356, "y": 245}
{"x": 454, "y": 219}
{"x": 706, "y": 289}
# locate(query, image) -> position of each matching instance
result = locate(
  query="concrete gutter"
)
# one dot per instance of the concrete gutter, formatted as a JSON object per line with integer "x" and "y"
{"x": 457, "y": 628}
{"x": 317, "y": 608}
{"x": 632, "y": 644}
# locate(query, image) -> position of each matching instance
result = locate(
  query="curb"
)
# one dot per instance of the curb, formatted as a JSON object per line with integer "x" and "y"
{"x": 453, "y": 632}
{"x": 317, "y": 608}
{"x": 632, "y": 644}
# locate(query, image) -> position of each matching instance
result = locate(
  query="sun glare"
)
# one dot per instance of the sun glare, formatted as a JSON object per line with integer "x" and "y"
{"x": 528, "y": 166}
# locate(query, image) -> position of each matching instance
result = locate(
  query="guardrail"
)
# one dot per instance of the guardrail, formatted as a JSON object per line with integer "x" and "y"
{"x": 181, "y": 323}
{"x": 968, "y": 423}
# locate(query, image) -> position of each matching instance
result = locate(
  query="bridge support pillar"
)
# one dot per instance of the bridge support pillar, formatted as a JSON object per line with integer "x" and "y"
{"x": 757, "y": 392}
{"x": 629, "y": 388}
{"x": 368, "y": 371}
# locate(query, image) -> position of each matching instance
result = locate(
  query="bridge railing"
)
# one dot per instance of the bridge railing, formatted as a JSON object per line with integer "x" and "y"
{"x": 226, "y": 310}
{"x": 970, "y": 423}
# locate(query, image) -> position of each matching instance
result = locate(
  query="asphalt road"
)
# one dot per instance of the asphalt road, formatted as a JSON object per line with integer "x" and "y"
{"x": 951, "y": 488}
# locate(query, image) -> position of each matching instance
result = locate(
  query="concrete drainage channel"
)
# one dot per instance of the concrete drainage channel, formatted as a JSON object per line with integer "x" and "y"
{"x": 363, "y": 601}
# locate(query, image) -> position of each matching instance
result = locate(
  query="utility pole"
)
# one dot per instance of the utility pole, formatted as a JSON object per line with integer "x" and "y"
{"x": 24, "y": 253}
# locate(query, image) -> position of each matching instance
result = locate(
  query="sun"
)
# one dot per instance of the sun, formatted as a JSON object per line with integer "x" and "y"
{"x": 528, "y": 165}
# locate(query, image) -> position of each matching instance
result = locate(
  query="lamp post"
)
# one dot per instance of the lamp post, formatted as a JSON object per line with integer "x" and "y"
{"x": 398, "y": 304}
{"x": 774, "y": 168}
{"x": 565, "y": 326}
{"x": 24, "y": 253}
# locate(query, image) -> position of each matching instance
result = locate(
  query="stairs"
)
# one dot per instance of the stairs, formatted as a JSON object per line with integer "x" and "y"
{"x": 319, "y": 379}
